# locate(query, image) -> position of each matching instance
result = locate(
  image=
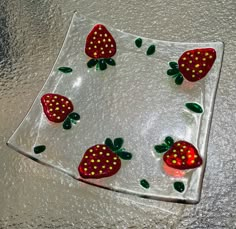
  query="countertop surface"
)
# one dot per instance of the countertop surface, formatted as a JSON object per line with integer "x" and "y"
{"x": 34, "y": 196}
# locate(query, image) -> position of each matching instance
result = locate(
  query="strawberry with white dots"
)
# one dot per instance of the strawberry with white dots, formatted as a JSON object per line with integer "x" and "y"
{"x": 58, "y": 108}
{"x": 193, "y": 65}
{"x": 103, "y": 160}
{"x": 100, "y": 46}
{"x": 180, "y": 155}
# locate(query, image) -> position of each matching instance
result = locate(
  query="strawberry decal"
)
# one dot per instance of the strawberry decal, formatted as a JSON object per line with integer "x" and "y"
{"x": 100, "y": 46}
{"x": 180, "y": 155}
{"x": 58, "y": 108}
{"x": 193, "y": 65}
{"x": 103, "y": 160}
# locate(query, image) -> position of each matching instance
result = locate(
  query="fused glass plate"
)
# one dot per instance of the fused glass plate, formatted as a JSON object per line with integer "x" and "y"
{"x": 125, "y": 113}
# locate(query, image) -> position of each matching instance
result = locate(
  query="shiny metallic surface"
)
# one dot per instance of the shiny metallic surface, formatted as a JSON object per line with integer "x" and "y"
{"x": 33, "y": 196}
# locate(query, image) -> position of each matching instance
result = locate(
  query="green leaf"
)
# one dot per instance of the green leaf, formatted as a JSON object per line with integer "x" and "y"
{"x": 179, "y": 186}
{"x": 172, "y": 72}
{"x": 161, "y": 148}
{"x": 67, "y": 124}
{"x": 173, "y": 65}
{"x": 138, "y": 42}
{"x": 65, "y": 69}
{"x": 194, "y": 107}
{"x": 118, "y": 142}
{"x": 74, "y": 116}
{"x": 124, "y": 155}
{"x": 145, "y": 183}
{"x": 151, "y": 50}
{"x": 102, "y": 64}
{"x": 39, "y": 149}
{"x": 109, "y": 143}
{"x": 110, "y": 61}
{"x": 169, "y": 141}
{"x": 91, "y": 63}
{"x": 179, "y": 79}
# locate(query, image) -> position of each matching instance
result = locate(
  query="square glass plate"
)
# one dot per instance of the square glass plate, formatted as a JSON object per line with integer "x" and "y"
{"x": 144, "y": 133}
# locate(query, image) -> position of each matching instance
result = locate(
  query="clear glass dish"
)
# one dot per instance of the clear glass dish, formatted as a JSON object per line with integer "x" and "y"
{"x": 126, "y": 107}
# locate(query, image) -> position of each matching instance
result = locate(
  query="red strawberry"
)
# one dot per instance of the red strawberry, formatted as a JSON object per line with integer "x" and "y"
{"x": 100, "y": 46}
{"x": 58, "y": 108}
{"x": 193, "y": 65}
{"x": 103, "y": 160}
{"x": 180, "y": 155}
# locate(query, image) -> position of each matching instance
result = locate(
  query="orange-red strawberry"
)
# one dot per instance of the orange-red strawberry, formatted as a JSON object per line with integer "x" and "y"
{"x": 193, "y": 65}
{"x": 100, "y": 46}
{"x": 103, "y": 160}
{"x": 58, "y": 109}
{"x": 180, "y": 155}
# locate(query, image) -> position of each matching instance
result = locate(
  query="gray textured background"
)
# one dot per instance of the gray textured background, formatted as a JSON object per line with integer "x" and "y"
{"x": 33, "y": 196}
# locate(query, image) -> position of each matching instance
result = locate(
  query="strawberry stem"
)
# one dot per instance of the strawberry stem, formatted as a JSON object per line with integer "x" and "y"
{"x": 97, "y": 66}
{"x": 109, "y": 143}
{"x": 161, "y": 148}
{"x": 169, "y": 141}
{"x": 174, "y": 65}
{"x": 172, "y": 72}
{"x": 75, "y": 116}
{"x": 91, "y": 63}
{"x": 102, "y": 64}
{"x": 179, "y": 79}
{"x": 124, "y": 155}
{"x": 118, "y": 142}
{"x": 175, "y": 73}
{"x": 110, "y": 61}
{"x": 67, "y": 124}
{"x": 116, "y": 148}
{"x": 73, "y": 121}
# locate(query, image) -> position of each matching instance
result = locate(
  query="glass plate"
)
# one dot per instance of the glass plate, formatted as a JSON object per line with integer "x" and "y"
{"x": 135, "y": 127}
